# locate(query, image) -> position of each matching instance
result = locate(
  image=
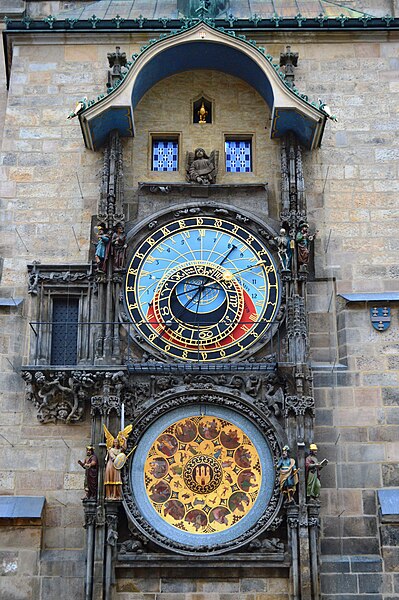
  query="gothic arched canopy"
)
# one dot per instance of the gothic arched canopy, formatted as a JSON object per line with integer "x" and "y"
{"x": 203, "y": 47}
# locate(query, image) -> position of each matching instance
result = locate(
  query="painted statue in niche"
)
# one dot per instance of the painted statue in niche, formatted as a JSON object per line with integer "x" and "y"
{"x": 201, "y": 168}
{"x": 304, "y": 240}
{"x": 313, "y": 468}
{"x": 102, "y": 247}
{"x": 118, "y": 248}
{"x": 284, "y": 249}
{"x": 288, "y": 474}
{"x": 90, "y": 465}
{"x": 115, "y": 460}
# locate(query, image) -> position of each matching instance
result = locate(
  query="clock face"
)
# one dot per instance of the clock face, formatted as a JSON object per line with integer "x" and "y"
{"x": 202, "y": 289}
{"x": 202, "y": 474}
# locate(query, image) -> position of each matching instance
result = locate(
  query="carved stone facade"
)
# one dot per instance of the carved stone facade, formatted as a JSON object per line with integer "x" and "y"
{"x": 124, "y": 379}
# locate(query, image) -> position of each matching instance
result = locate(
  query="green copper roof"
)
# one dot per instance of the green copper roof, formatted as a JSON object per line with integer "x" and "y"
{"x": 241, "y": 9}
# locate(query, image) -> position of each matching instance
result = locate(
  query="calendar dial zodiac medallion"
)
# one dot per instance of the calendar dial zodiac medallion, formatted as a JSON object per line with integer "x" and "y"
{"x": 202, "y": 289}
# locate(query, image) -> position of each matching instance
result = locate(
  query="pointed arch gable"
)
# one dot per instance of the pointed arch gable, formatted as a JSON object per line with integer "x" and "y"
{"x": 202, "y": 47}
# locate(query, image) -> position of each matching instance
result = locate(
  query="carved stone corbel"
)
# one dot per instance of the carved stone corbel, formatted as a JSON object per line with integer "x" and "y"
{"x": 60, "y": 395}
{"x": 111, "y": 395}
{"x": 89, "y": 507}
{"x": 299, "y": 405}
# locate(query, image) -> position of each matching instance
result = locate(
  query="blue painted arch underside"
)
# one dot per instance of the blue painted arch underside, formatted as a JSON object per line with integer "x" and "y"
{"x": 194, "y": 55}
{"x": 202, "y": 55}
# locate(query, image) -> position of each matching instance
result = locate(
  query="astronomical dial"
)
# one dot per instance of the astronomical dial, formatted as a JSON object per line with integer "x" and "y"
{"x": 202, "y": 289}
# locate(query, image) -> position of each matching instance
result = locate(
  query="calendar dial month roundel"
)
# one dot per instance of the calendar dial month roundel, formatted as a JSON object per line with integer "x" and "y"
{"x": 202, "y": 289}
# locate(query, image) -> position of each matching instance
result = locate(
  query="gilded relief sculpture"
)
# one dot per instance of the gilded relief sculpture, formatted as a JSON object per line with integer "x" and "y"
{"x": 202, "y": 114}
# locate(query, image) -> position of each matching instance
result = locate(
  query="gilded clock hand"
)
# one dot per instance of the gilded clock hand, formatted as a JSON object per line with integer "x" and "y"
{"x": 228, "y": 276}
{"x": 258, "y": 264}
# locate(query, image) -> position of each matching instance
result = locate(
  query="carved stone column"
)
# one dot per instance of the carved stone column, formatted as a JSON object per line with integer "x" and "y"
{"x": 110, "y": 214}
{"x": 111, "y": 519}
{"x": 299, "y": 405}
{"x": 89, "y": 507}
{"x": 293, "y": 521}
{"x": 314, "y": 524}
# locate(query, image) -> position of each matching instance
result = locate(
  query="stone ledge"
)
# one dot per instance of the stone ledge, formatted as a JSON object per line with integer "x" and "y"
{"x": 236, "y": 561}
{"x": 199, "y": 191}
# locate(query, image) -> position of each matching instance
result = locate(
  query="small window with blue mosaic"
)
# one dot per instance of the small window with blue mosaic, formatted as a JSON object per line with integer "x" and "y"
{"x": 238, "y": 156}
{"x": 165, "y": 155}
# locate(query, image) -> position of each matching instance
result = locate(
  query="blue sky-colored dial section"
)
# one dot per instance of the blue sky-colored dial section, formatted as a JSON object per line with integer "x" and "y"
{"x": 202, "y": 245}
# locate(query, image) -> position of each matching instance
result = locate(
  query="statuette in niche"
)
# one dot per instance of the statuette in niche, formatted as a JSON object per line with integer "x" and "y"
{"x": 313, "y": 468}
{"x": 90, "y": 465}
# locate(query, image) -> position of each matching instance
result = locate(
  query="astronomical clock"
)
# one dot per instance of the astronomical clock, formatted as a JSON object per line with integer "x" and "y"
{"x": 202, "y": 294}
{"x": 202, "y": 288}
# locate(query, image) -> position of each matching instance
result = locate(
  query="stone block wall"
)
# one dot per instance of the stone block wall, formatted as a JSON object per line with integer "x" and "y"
{"x": 238, "y": 585}
{"x": 20, "y": 561}
{"x": 49, "y": 190}
{"x": 237, "y": 109}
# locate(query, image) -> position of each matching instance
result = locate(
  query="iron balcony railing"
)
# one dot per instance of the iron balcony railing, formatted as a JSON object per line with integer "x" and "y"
{"x": 89, "y": 343}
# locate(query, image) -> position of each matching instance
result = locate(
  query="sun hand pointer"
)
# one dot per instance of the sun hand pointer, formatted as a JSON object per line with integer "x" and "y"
{"x": 228, "y": 275}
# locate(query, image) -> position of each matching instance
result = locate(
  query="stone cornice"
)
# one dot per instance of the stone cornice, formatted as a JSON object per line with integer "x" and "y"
{"x": 318, "y": 23}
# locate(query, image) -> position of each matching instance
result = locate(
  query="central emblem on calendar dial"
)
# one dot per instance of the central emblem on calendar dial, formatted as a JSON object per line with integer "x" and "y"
{"x": 202, "y": 288}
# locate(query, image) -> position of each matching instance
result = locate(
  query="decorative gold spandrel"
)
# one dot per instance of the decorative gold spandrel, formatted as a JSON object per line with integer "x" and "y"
{"x": 202, "y": 474}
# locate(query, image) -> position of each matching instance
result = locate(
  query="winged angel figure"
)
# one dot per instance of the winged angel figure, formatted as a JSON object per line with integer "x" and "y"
{"x": 202, "y": 168}
{"x": 116, "y": 458}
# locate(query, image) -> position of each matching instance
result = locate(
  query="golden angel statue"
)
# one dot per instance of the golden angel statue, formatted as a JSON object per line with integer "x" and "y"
{"x": 201, "y": 168}
{"x": 116, "y": 458}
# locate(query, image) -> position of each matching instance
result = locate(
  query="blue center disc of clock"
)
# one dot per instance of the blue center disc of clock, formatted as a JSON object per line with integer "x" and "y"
{"x": 200, "y": 295}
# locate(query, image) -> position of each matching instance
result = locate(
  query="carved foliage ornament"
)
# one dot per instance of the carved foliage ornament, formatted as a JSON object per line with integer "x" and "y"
{"x": 299, "y": 405}
{"x": 62, "y": 395}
